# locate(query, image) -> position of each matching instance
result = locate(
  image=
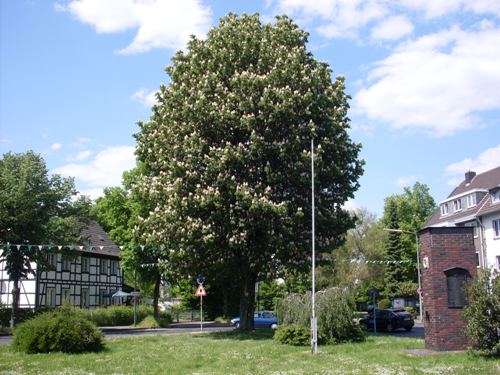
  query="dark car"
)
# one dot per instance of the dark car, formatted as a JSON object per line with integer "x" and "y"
{"x": 389, "y": 320}
{"x": 262, "y": 319}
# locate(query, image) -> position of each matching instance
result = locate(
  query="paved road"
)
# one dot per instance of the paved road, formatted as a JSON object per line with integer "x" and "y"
{"x": 417, "y": 332}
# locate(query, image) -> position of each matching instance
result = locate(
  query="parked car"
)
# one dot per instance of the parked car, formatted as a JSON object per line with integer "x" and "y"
{"x": 262, "y": 319}
{"x": 389, "y": 320}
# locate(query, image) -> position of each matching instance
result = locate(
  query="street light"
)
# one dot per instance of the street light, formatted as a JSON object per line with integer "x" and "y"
{"x": 314, "y": 324}
{"x": 418, "y": 266}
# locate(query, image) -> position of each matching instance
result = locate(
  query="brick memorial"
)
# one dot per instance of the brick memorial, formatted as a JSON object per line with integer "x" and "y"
{"x": 448, "y": 262}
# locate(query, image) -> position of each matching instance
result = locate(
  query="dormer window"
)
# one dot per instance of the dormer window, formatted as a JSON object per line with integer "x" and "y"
{"x": 457, "y": 205}
{"x": 471, "y": 200}
{"x": 445, "y": 209}
{"x": 495, "y": 197}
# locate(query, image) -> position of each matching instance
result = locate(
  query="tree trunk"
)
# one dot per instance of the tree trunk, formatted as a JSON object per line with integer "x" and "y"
{"x": 15, "y": 302}
{"x": 156, "y": 294}
{"x": 247, "y": 300}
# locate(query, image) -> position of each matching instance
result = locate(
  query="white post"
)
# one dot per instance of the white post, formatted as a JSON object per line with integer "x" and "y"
{"x": 314, "y": 326}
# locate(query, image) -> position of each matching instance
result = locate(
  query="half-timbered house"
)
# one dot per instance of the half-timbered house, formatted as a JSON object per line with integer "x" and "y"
{"x": 84, "y": 275}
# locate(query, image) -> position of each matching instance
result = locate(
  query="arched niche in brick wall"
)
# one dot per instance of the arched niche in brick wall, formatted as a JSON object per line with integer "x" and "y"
{"x": 457, "y": 280}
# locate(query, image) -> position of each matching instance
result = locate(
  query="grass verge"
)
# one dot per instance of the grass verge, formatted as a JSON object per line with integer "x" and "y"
{"x": 238, "y": 353}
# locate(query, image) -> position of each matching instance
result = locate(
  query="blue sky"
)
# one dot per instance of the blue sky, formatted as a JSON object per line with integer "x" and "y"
{"x": 76, "y": 76}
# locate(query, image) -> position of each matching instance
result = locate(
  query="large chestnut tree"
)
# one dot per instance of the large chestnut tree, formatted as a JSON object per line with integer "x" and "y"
{"x": 227, "y": 155}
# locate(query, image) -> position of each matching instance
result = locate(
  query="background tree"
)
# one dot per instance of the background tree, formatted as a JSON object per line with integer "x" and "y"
{"x": 227, "y": 154}
{"x": 35, "y": 208}
{"x": 356, "y": 262}
{"x": 118, "y": 212}
{"x": 408, "y": 212}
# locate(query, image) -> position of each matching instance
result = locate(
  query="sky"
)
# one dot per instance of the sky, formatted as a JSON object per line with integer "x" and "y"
{"x": 424, "y": 76}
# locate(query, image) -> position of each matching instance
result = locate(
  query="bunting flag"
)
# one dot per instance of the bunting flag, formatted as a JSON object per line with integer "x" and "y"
{"x": 50, "y": 247}
{"x": 369, "y": 261}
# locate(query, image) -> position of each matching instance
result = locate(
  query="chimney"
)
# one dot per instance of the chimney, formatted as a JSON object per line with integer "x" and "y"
{"x": 469, "y": 176}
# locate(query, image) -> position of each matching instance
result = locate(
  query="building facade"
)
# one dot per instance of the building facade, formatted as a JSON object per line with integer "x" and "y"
{"x": 85, "y": 275}
{"x": 475, "y": 202}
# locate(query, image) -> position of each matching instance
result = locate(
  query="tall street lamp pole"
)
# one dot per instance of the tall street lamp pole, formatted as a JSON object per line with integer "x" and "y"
{"x": 314, "y": 325}
{"x": 418, "y": 266}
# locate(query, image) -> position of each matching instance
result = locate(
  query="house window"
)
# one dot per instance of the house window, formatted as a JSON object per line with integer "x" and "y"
{"x": 496, "y": 228}
{"x": 456, "y": 281}
{"x": 495, "y": 197}
{"x": 102, "y": 299}
{"x": 471, "y": 200}
{"x": 66, "y": 295}
{"x": 66, "y": 264}
{"x": 85, "y": 264}
{"x": 50, "y": 298}
{"x": 85, "y": 298}
{"x": 114, "y": 267}
{"x": 103, "y": 265}
{"x": 52, "y": 260}
{"x": 457, "y": 205}
{"x": 477, "y": 259}
{"x": 444, "y": 209}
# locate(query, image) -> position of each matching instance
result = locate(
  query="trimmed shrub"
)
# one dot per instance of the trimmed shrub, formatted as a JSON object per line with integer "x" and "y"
{"x": 149, "y": 322}
{"x": 123, "y": 315}
{"x": 293, "y": 334}
{"x": 335, "y": 314}
{"x": 61, "y": 330}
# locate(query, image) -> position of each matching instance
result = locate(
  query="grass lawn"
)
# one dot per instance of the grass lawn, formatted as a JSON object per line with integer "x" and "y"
{"x": 255, "y": 353}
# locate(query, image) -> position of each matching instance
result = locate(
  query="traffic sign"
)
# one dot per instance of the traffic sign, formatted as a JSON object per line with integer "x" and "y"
{"x": 200, "y": 292}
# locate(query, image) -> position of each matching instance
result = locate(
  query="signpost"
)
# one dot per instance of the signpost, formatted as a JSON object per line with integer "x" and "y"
{"x": 200, "y": 292}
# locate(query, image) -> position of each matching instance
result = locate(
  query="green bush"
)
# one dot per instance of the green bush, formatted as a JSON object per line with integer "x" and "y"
{"x": 63, "y": 329}
{"x": 384, "y": 304}
{"x": 482, "y": 314}
{"x": 293, "y": 334}
{"x": 335, "y": 314}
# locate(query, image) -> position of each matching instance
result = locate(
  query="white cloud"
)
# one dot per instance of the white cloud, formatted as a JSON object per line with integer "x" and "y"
{"x": 55, "y": 146}
{"x": 105, "y": 169}
{"x": 434, "y": 9}
{"x": 346, "y": 18}
{"x": 338, "y": 18}
{"x": 392, "y": 28}
{"x": 147, "y": 98}
{"x": 485, "y": 161}
{"x": 350, "y": 205}
{"x": 406, "y": 181}
{"x": 437, "y": 83}
{"x": 82, "y": 155}
{"x": 159, "y": 23}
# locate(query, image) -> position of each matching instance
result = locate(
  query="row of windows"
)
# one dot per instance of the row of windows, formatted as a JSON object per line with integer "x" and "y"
{"x": 85, "y": 264}
{"x": 471, "y": 202}
{"x": 50, "y": 299}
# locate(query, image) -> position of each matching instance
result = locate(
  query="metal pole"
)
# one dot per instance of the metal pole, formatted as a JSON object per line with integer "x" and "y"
{"x": 201, "y": 313}
{"x": 135, "y": 297}
{"x": 314, "y": 326}
{"x": 421, "y": 310}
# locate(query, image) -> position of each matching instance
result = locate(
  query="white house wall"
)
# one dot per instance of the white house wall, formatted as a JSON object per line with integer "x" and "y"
{"x": 96, "y": 282}
{"x": 27, "y": 286}
{"x": 492, "y": 243}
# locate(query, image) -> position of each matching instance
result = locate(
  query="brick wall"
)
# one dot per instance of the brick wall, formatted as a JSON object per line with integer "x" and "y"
{"x": 444, "y": 248}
